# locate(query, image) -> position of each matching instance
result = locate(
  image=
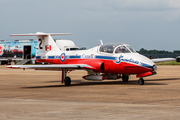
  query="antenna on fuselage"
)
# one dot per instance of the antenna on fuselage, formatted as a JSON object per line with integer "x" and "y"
{"x": 101, "y": 42}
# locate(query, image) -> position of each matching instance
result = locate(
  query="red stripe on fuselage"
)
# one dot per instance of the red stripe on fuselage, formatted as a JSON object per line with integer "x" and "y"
{"x": 122, "y": 68}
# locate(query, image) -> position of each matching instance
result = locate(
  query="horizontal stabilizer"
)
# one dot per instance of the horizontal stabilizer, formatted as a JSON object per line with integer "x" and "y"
{"x": 41, "y": 34}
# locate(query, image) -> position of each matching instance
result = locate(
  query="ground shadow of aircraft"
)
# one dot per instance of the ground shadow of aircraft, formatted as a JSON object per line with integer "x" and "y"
{"x": 89, "y": 83}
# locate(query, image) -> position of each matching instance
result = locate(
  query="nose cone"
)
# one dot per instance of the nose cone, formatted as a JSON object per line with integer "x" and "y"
{"x": 148, "y": 63}
{"x": 144, "y": 61}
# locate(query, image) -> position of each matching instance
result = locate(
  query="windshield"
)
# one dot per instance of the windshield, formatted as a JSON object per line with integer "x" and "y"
{"x": 116, "y": 48}
{"x": 131, "y": 48}
{"x": 122, "y": 49}
{"x": 108, "y": 48}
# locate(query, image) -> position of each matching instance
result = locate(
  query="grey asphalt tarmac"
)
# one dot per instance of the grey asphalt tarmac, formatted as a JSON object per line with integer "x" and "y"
{"x": 39, "y": 95}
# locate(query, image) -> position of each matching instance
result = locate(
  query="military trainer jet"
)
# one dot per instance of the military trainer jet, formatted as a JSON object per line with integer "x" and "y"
{"x": 105, "y": 61}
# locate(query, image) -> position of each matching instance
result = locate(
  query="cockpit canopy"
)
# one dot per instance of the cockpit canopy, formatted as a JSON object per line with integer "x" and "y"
{"x": 116, "y": 48}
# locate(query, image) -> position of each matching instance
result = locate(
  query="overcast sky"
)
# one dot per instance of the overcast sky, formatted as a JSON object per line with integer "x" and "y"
{"x": 149, "y": 24}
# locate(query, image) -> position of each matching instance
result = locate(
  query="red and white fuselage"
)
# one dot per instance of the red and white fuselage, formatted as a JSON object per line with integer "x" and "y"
{"x": 112, "y": 61}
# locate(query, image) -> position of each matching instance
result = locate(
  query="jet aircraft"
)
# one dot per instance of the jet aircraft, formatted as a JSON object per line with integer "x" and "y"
{"x": 106, "y": 61}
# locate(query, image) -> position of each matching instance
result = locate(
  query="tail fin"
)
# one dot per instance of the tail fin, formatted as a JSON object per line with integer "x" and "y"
{"x": 45, "y": 41}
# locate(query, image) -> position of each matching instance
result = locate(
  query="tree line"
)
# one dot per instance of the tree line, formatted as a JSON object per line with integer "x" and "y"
{"x": 159, "y": 53}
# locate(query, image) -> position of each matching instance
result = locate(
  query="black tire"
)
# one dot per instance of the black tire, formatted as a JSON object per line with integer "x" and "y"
{"x": 125, "y": 78}
{"x": 141, "y": 81}
{"x": 67, "y": 81}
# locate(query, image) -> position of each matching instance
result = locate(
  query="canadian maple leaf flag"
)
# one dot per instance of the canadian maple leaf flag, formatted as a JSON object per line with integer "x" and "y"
{"x": 48, "y": 47}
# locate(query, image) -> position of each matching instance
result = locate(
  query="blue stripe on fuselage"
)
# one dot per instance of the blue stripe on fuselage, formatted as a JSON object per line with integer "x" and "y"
{"x": 38, "y": 57}
{"x": 146, "y": 65}
{"x": 106, "y": 57}
{"x": 51, "y": 57}
{"x": 72, "y": 56}
{"x": 80, "y": 57}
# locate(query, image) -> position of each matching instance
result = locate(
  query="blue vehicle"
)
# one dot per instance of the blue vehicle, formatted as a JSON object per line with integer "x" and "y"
{"x": 18, "y": 50}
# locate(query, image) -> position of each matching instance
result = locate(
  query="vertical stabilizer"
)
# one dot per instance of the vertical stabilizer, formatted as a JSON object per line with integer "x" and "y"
{"x": 45, "y": 41}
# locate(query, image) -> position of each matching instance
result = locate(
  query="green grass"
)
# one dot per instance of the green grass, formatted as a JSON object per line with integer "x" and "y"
{"x": 168, "y": 63}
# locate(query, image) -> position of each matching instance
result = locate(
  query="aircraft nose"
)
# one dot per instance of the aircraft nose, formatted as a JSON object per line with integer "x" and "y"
{"x": 148, "y": 63}
{"x": 154, "y": 67}
{"x": 145, "y": 62}
{"x": 152, "y": 64}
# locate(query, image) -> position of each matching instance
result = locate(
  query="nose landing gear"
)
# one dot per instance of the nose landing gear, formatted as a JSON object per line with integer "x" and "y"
{"x": 141, "y": 81}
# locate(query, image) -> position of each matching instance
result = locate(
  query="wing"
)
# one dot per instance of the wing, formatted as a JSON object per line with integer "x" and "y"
{"x": 162, "y": 59}
{"x": 57, "y": 66}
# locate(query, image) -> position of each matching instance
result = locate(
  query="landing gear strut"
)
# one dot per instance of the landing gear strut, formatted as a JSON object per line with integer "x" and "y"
{"x": 141, "y": 81}
{"x": 65, "y": 80}
{"x": 125, "y": 78}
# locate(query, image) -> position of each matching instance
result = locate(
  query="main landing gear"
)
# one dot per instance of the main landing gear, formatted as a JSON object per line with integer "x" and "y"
{"x": 125, "y": 78}
{"x": 141, "y": 81}
{"x": 66, "y": 80}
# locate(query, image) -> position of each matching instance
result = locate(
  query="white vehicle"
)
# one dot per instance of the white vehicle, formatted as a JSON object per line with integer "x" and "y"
{"x": 66, "y": 45}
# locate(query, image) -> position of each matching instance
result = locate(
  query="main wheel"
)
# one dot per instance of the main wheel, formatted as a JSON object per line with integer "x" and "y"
{"x": 67, "y": 81}
{"x": 141, "y": 81}
{"x": 125, "y": 78}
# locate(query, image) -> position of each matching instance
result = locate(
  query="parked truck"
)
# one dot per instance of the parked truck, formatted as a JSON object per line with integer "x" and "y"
{"x": 19, "y": 50}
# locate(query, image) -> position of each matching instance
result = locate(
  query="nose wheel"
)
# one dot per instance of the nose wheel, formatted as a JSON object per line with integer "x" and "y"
{"x": 141, "y": 81}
